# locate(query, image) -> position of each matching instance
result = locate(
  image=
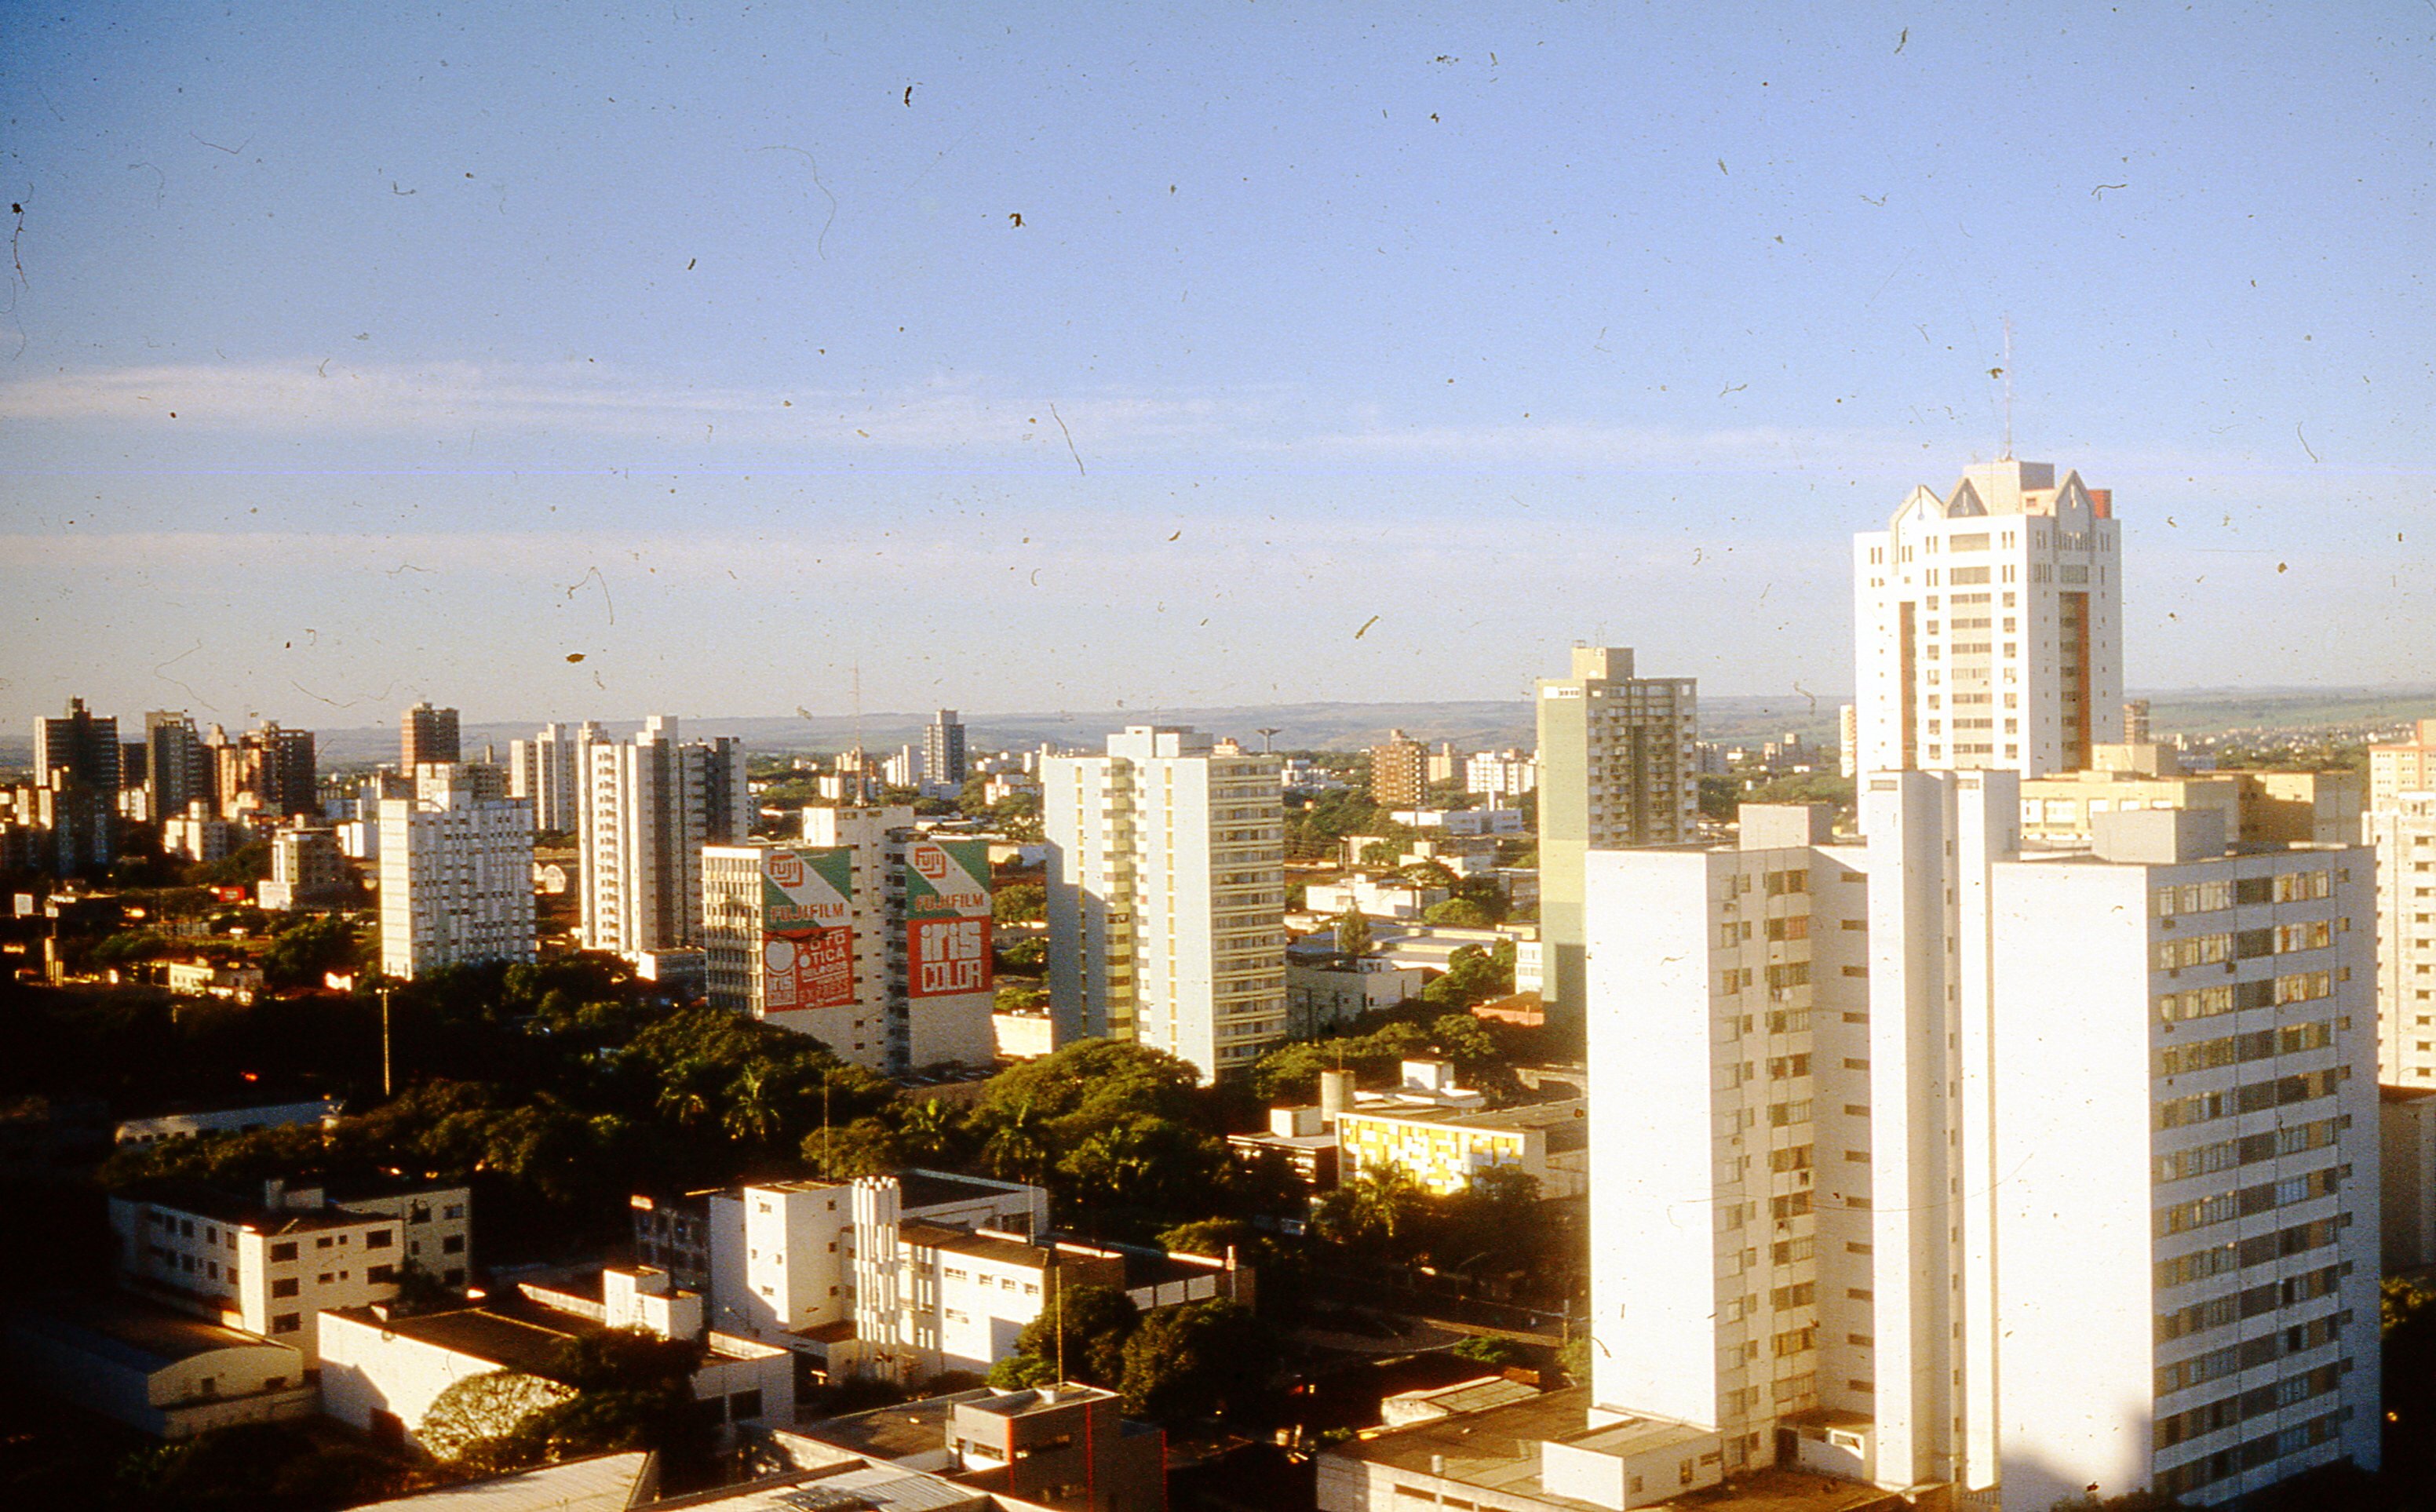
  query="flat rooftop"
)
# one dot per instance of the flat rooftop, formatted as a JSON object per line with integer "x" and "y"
{"x": 963, "y": 1241}
{"x": 1498, "y": 1449}
{"x": 131, "y": 1331}
{"x": 894, "y": 1432}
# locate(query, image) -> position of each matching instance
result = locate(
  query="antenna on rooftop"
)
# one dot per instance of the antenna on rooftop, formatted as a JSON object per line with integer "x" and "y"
{"x": 2008, "y": 372}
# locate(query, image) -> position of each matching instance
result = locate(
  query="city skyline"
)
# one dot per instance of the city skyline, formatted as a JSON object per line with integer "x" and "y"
{"x": 360, "y": 360}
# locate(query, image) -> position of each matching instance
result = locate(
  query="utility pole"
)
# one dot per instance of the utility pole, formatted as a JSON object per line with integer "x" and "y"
{"x": 387, "y": 1089}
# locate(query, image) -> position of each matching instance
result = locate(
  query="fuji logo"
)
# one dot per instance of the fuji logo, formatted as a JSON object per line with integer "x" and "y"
{"x": 786, "y": 868}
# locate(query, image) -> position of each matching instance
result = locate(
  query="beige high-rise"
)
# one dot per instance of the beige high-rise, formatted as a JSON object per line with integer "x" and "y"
{"x": 1989, "y": 626}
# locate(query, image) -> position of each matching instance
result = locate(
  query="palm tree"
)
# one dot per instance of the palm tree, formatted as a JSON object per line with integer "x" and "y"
{"x": 1018, "y": 1149}
{"x": 930, "y": 1129}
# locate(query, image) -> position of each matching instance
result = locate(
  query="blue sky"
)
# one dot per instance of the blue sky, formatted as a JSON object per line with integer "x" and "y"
{"x": 353, "y": 357}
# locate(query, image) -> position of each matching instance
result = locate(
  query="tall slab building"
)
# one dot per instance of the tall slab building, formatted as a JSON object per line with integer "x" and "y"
{"x": 1988, "y": 626}
{"x": 2401, "y": 824}
{"x": 868, "y": 936}
{"x": 1167, "y": 898}
{"x": 649, "y": 806}
{"x": 1931, "y": 1160}
{"x": 426, "y": 736}
{"x": 1619, "y": 766}
{"x": 548, "y": 773}
{"x": 456, "y": 873}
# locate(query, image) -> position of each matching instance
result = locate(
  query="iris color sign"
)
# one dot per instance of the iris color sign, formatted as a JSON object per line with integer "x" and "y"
{"x": 807, "y": 933}
{"x": 946, "y": 918}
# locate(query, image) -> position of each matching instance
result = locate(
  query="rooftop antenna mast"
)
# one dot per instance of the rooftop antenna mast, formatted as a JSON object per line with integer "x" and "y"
{"x": 2008, "y": 371}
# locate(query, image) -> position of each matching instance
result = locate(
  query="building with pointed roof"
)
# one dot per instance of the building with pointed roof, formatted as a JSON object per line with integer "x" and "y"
{"x": 1989, "y": 626}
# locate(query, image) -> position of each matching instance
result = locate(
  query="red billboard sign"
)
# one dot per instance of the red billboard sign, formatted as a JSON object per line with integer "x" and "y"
{"x": 813, "y": 969}
{"x": 945, "y": 957}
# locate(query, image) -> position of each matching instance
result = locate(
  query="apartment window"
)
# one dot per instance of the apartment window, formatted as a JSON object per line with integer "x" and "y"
{"x": 453, "y": 1245}
{"x": 379, "y": 1239}
{"x": 285, "y": 1286}
{"x": 283, "y": 1252}
{"x": 287, "y": 1322}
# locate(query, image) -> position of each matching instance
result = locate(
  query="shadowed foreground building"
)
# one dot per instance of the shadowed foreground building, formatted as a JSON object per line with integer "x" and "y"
{"x": 1945, "y": 1161}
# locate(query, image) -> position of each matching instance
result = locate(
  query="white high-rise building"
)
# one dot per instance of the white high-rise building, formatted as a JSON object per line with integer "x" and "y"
{"x": 2404, "y": 833}
{"x": 1930, "y": 1160}
{"x": 649, "y": 806}
{"x": 1989, "y": 626}
{"x": 548, "y": 771}
{"x": 1167, "y": 896}
{"x": 2401, "y": 824}
{"x": 456, "y": 874}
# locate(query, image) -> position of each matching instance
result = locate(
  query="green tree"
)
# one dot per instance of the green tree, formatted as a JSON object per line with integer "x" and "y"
{"x": 1017, "y": 1371}
{"x": 1024, "y": 902}
{"x": 1457, "y": 913}
{"x": 866, "y": 1147}
{"x": 1379, "y": 1213}
{"x": 1094, "y": 1322}
{"x": 1492, "y": 1350}
{"x": 488, "y": 1406}
{"x": 299, "y": 956}
{"x": 1354, "y": 933}
{"x": 1185, "y": 1362}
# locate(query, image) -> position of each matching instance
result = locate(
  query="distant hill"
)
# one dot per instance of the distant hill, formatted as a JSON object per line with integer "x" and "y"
{"x": 1478, "y": 724}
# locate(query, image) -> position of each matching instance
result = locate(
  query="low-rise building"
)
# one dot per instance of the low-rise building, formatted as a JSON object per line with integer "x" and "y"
{"x": 1556, "y": 1452}
{"x": 1065, "y": 1448}
{"x": 270, "y": 1264}
{"x": 1385, "y": 896}
{"x": 224, "y": 1120}
{"x": 1445, "y": 1148}
{"x": 902, "y": 1276}
{"x": 1462, "y": 821}
{"x": 213, "y": 978}
{"x": 382, "y": 1369}
{"x": 1327, "y": 990}
{"x": 2264, "y": 808}
{"x": 157, "y": 1369}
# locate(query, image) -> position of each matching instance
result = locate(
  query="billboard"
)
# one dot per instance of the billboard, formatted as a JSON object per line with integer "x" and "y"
{"x": 806, "y": 927}
{"x": 946, "y": 918}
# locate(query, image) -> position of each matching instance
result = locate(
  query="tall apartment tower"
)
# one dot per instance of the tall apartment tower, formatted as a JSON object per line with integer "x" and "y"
{"x": 1931, "y": 1161}
{"x": 1398, "y": 772}
{"x": 79, "y": 743}
{"x": 547, "y": 773}
{"x": 868, "y": 936}
{"x": 1989, "y": 626}
{"x": 426, "y": 736}
{"x": 1619, "y": 766}
{"x": 456, "y": 873}
{"x": 648, "y": 808}
{"x": 176, "y": 772}
{"x": 2401, "y": 824}
{"x": 1167, "y": 898}
{"x": 267, "y": 770}
{"x": 943, "y": 750}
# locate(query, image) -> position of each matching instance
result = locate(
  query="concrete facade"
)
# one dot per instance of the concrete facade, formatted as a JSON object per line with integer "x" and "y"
{"x": 1618, "y": 767}
{"x": 1989, "y": 626}
{"x": 1166, "y": 885}
{"x": 1944, "y": 1162}
{"x": 456, "y": 874}
{"x": 649, "y": 806}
